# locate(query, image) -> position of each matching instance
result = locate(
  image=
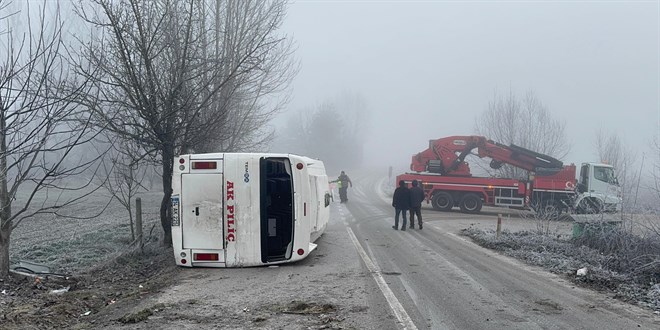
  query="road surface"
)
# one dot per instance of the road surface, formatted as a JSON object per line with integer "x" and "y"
{"x": 436, "y": 279}
{"x": 365, "y": 275}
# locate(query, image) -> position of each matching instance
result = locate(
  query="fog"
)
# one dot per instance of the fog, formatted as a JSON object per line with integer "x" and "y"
{"x": 428, "y": 69}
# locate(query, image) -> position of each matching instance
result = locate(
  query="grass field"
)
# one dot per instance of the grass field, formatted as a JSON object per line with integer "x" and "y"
{"x": 68, "y": 245}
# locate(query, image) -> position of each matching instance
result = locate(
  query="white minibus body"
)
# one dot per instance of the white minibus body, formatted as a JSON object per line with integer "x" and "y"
{"x": 247, "y": 209}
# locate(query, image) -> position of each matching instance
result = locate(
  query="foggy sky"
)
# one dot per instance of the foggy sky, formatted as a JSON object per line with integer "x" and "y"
{"x": 427, "y": 69}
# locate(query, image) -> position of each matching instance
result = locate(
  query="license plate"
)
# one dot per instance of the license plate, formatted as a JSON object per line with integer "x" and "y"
{"x": 175, "y": 211}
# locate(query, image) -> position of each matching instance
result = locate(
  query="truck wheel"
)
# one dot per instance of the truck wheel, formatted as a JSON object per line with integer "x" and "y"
{"x": 442, "y": 201}
{"x": 589, "y": 206}
{"x": 471, "y": 203}
{"x": 549, "y": 209}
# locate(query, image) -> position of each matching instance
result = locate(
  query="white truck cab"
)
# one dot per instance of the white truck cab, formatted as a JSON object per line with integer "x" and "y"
{"x": 598, "y": 189}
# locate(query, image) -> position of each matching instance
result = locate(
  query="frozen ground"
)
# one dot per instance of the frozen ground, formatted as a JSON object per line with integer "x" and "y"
{"x": 110, "y": 288}
{"x": 69, "y": 245}
{"x": 565, "y": 255}
{"x": 145, "y": 291}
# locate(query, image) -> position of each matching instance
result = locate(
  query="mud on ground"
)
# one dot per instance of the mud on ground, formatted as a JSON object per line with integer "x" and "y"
{"x": 45, "y": 302}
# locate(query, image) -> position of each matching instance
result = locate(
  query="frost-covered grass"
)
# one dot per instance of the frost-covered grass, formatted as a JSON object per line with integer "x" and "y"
{"x": 69, "y": 245}
{"x": 80, "y": 252}
{"x": 612, "y": 271}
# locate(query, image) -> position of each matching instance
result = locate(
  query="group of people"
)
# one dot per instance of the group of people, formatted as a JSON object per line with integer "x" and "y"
{"x": 405, "y": 200}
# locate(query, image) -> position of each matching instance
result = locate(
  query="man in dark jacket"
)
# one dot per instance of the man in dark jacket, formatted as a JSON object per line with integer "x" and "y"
{"x": 401, "y": 203}
{"x": 416, "y": 199}
{"x": 343, "y": 181}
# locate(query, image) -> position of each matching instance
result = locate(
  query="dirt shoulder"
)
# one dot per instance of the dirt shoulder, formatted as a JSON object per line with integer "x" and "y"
{"x": 73, "y": 302}
{"x": 327, "y": 290}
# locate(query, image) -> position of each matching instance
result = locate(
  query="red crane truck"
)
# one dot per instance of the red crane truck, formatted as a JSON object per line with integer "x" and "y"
{"x": 550, "y": 188}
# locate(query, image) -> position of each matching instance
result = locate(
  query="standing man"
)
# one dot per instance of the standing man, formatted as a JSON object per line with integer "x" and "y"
{"x": 401, "y": 203}
{"x": 416, "y": 198}
{"x": 344, "y": 182}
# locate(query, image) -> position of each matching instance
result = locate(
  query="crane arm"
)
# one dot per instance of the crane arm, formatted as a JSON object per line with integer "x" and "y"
{"x": 447, "y": 156}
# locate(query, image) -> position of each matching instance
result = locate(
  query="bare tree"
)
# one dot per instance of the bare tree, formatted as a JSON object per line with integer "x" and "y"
{"x": 260, "y": 93}
{"x": 324, "y": 137}
{"x": 525, "y": 122}
{"x": 654, "y": 185}
{"x": 294, "y": 139}
{"x": 122, "y": 174}
{"x": 184, "y": 76}
{"x": 334, "y": 131}
{"x": 40, "y": 124}
{"x": 353, "y": 109}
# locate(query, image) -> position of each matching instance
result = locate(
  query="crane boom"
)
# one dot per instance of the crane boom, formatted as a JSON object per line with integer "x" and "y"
{"x": 447, "y": 156}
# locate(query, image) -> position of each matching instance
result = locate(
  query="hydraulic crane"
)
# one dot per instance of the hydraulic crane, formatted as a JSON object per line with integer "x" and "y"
{"x": 549, "y": 188}
{"x": 447, "y": 156}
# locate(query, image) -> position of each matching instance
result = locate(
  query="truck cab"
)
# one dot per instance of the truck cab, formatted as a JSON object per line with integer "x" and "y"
{"x": 598, "y": 189}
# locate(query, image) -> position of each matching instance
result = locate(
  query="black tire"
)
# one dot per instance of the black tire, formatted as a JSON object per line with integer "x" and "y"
{"x": 442, "y": 201}
{"x": 589, "y": 206}
{"x": 549, "y": 209}
{"x": 471, "y": 203}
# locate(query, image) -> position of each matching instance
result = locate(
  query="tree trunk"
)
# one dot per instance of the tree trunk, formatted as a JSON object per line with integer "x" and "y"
{"x": 165, "y": 216}
{"x": 5, "y": 233}
{"x": 5, "y": 200}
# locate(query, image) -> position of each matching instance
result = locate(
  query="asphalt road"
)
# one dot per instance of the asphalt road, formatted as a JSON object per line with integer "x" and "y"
{"x": 365, "y": 275}
{"x": 436, "y": 279}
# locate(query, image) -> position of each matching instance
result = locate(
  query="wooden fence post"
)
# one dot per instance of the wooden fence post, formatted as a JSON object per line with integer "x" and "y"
{"x": 138, "y": 222}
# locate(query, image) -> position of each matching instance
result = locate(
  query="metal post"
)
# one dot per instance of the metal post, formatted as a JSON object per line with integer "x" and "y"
{"x": 499, "y": 225}
{"x": 138, "y": 221}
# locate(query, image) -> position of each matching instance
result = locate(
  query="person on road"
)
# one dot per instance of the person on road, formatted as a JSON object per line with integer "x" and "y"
{"x": 401, "y": 203}
{"x": 343, "y": 183}
{"x": 416, "y": 198}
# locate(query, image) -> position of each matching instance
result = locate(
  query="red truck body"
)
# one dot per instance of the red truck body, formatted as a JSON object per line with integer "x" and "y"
{"x": 447, "y": 181}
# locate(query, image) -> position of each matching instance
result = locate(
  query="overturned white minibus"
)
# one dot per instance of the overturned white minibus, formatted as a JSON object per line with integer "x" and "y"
{"x": 247, "y": 209}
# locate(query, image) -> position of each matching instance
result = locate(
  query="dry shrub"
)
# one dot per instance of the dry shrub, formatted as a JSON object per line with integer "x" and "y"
{"x": 629, "y": 253}
{"x": 618, "y": 261}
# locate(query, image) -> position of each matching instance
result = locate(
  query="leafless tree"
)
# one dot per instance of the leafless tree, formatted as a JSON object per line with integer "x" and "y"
{"x": 325, "y": 138}
{"x": 525, "y": 122}
{"x": 260, "y": 93}
{"x": 353, "y": 109}
{"x": 122, "y": 174}
{"x": 334, "y": 131}
{"x": 185, "y": 76}
{"x": 40, "y": 124}
{"x": 655, "y": 171}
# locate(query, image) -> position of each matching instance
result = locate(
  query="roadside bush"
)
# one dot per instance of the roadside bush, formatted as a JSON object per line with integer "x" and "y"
{"x": 631, "y": 276}
{"x": 628, "y": 253}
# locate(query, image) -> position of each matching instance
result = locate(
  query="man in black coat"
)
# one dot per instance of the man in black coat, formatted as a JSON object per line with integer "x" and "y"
{"x": 344, "y": 181}
{"x": 416, "y": 198}
{"x": 401, "y": 203}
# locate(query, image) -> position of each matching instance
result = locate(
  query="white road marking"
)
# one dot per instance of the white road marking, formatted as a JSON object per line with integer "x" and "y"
{"x": 381, "y": 193}
{"x": 398, "y": 310}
